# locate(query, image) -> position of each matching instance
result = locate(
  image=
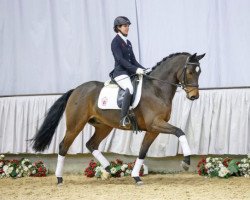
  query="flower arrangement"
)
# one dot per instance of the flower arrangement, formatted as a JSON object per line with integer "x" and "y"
{"x": 117, "y": 168}
{"x": 244, "y": 167}
{"x": 224, "y": 168}
{"x": 40, "y": 169}
{"x": 21, "y": 168}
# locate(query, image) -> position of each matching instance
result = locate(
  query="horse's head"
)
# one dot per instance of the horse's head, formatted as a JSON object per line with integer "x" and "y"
{"x": 188, "y": 76}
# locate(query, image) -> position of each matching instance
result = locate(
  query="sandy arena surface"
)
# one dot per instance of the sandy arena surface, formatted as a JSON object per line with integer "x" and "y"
{"x": 160, "y": 186}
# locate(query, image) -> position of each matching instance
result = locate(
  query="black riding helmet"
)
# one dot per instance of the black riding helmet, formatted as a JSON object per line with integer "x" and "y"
{"x": 121, "y": 20}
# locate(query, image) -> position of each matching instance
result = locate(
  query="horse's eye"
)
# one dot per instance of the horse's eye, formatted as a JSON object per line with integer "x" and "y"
{"x": 190, "y": 72}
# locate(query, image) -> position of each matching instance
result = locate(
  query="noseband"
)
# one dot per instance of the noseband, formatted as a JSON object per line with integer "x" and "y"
{"x": 183, "y": 82}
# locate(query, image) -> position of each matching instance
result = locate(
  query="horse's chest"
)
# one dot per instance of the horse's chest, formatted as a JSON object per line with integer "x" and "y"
{"x": 167, "y": 114}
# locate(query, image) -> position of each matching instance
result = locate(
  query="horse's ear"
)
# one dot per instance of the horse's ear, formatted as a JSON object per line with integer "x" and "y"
{"x": 200, "y": 56}
{"x": 192, "y": 57}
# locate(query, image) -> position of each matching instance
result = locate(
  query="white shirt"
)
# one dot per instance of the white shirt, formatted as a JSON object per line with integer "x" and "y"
{"x": 123, "y": 37}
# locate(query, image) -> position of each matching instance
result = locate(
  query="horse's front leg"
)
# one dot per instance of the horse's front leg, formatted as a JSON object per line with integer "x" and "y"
{"x": 160, "y": 125}
{"x": 147, "y": 141}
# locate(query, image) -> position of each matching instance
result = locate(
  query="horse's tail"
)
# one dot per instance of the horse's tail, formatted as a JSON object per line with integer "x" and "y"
{"x": 43, "y": 137}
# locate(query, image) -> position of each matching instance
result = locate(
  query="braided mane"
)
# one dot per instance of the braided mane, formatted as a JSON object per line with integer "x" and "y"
{"x": 170, "y": 56}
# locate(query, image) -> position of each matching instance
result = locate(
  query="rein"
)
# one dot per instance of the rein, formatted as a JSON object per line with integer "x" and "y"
{"x": 164, "y": 82}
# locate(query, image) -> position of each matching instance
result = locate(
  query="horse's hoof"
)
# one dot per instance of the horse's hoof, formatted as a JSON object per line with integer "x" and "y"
{"x": 59, "y": 181}
{"x": 138, "y": 181}
{"x": 105, "y": 175}
{"x": 185, "y": 166}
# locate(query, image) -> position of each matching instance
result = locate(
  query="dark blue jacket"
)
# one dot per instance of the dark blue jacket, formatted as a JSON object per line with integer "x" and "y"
{"x": 125, "y": 62}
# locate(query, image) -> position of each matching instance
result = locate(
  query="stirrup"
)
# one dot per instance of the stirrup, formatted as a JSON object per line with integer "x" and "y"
{"x": 125, "y": 122}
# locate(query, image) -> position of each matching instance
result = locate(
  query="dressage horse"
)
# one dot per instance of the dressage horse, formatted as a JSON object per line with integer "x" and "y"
{"x": 152, "y": 113}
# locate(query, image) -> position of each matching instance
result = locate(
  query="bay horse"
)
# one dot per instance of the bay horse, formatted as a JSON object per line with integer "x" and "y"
{"x": 152, "y": 113}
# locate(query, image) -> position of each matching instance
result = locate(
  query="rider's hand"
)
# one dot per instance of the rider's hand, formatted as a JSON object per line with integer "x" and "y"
{"x": 139, "y": 71}
{"x": 147, "y": 70}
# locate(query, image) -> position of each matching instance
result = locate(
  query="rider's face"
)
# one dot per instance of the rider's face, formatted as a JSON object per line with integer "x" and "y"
{"x": 124, "y": 29}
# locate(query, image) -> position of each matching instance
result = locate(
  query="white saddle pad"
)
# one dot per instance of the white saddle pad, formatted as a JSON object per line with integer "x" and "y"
{"x": 108, "y": 95}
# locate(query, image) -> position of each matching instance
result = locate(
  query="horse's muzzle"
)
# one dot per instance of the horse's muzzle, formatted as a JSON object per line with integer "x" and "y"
{"x": 193, "y": 94}
{"x": 192, "y": 98}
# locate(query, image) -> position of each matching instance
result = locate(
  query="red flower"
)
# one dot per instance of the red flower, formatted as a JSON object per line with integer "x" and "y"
{"x": 226, "y": 161}
{"x": 90, "y": 174}
{"x": 14, "y": 161}
{"x": 89, "y": 171}
{"x": 40, "y": 169}
{"x": 119, "y": 162}
{"x": 93, "y": 165}
{"x": 202, "y": 162}
{"x": 130, "y": 166}
{"x": 141, "y": 173}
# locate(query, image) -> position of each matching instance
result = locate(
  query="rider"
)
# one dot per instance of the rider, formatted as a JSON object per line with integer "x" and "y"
{"x": 125, "y": 64}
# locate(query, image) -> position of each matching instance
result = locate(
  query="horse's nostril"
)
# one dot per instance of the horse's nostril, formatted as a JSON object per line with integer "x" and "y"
{"x": 192, "y": 97}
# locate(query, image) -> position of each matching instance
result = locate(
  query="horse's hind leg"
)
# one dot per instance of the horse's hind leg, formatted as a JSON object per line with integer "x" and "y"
{"x": 101, "y": 132}
{"x": 147, "y": 141}
{"x": 71, "y": 134}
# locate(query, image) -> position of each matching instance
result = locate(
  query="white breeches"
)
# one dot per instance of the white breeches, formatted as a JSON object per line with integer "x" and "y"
{"x": 124, "y": 82}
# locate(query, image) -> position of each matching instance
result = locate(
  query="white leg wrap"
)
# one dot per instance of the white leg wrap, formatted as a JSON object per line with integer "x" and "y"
{"x": 184, "y": 145}
{"x": 137, "y": 167}
{"x": 59, "y": 167}
{"x": 98, "y": 155}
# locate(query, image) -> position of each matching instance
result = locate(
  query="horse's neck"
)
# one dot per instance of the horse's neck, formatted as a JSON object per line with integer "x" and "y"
{"x": 168, "y": 76}
{"x": 168, "y": 69}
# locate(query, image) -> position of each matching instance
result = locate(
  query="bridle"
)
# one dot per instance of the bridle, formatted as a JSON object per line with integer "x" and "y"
{"x": 183, "y": 83}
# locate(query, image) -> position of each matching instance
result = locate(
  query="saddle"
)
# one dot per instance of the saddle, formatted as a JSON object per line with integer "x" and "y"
{"x": 112, "y": 94}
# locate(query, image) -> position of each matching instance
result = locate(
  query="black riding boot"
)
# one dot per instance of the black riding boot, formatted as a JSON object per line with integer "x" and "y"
{"x": 125, "y": 107}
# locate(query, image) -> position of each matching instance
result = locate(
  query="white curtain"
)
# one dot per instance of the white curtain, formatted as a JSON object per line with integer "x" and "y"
{"x": 51, "y": 46}
{"x": 217, "y": 123}
{"x": 218, "y": 28}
